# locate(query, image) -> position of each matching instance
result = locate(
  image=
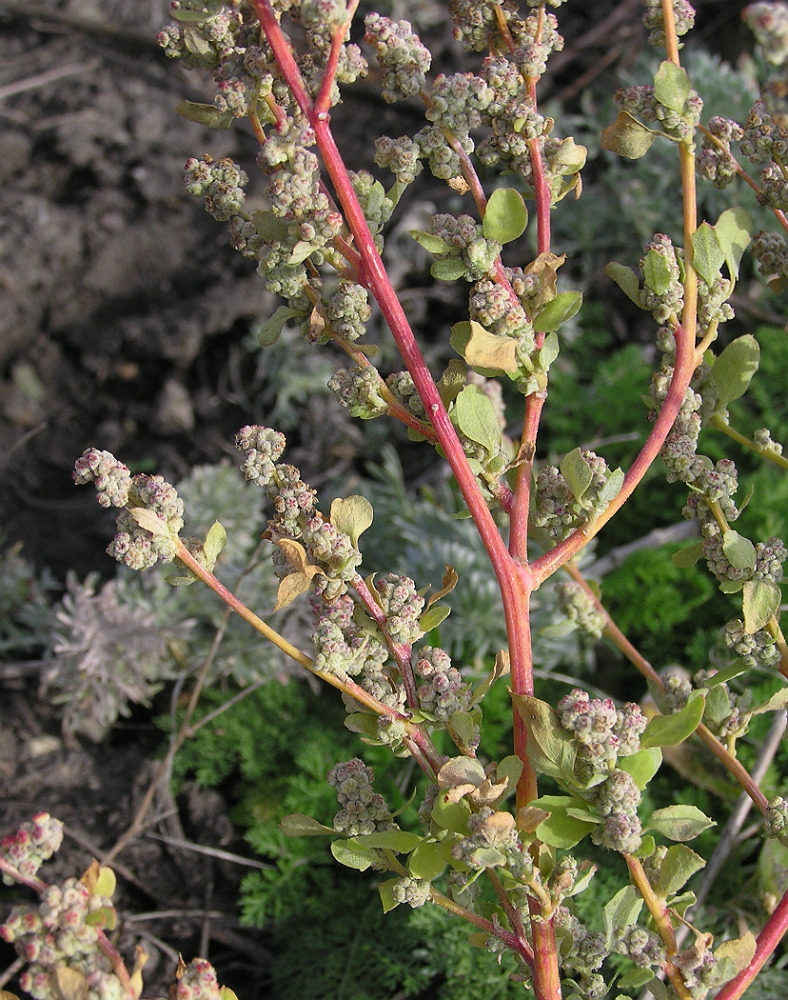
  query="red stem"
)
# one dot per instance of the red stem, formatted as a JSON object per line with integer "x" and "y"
{"x": 768, "y": 939}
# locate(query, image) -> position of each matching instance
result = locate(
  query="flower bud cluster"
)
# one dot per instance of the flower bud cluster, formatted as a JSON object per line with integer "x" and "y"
{"x": 348, "y": 310}
{"x": 771, "y": 253}
{"x": 557, "y": 509}
{"x": 698, "y": 968}
{"x": 679, "y": 452}
{"x": 401, "y": 55}
{"x": 133, "y": 545}
{"x": 606, "y": 733}
{"x": 401, "y": 156}
{"x": 402, "y": 605}
{"x": 466, "y": 242}
{"x": 375, "y": 204}
{"x": 642, "y": 946}
{"x": 358, "y": 390}
{"x": 715, "y": 161}
{"x": 413, "y": 891}
{"x": 641, "y": 101}
{"x": 443, "y": 692}
{"x": 219, "y": 182}
{"x": 676, "y": 689}
{"x": 491, "y": 305}
{"x": 769, "y": 24}
{"x": 197, "y": 981}
{"x": 576, "y": 605}
{"x": 665, "y": 304}
{"x": 206, "y": 42}
{"x": 111, "y": 478}
{"x": 457, "y": 102}
{"x": 363, "y": 810}
{"x": 683, "y": 19}
{"x": 403, "y": 387}
{"x": 63, "y": 931}
{"x": 762, "y": 439}
{"x": 261, "y": 448}
{"x": 757, "y": 649}
{"x": 31, "y": 845}
{"x": 476, "y": 25}
{"x": 493, "y": 843}
{"x": 588, "y": 949}
{"x": 775, "y": 823}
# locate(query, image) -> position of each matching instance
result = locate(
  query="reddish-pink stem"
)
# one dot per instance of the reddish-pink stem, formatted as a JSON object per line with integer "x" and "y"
{"x": 768, "y": 939}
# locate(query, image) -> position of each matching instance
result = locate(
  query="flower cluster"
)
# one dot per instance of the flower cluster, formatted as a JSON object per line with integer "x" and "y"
{"x": 63, "y": 931}
{"x": 491, "y": 305}
{"x": 219, "y": 182}
{"x": 358, "y": 390}
{"x": 769, "y": 23}
{"x": 576, "y": 605}
{"x": 413, "y": 891}
{"x": 151, "y": 512}
{"x": 606, "y": 733}
{"x": 775, "y": 823}
{"x": 401, "y": 55}
{"x": 402, "y": 605}
{"x": 715, "y": 161}
{"x": 757, "y": 649}
{"x": 683, "y": 19}
{"x": 443, "y": 692}
{"x": 556, "y": 507}
{"x": 771, "y": 253}
{"x": 464, "y": 240}
{"x": 642, "y": 946}
{"x": 403, "y": 388}
{"x": 641, "y": 101}
{"x": 196, "y": 981}
{"x": 31, "y": 845}
{"x": 363, "y": 810}
{"x": 493, "y": 843}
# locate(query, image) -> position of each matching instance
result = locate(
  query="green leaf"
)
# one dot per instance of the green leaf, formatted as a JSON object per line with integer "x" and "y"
{"x": 626, "y": 279}
{"x": 432, "y": 244}
{"x": 463, "y": 729}
{"x": 735, "y": 367}
{"x": 678, "y": 866}
{"x": 760, "y": 603}
{"x": 433, "y": 617}
{"x": 505, "y": 217}
{"x": 428, "y": 861}
{"x": 386, "y": 890}
{"x": 547, "y": 353}
{"x": 510, "y": 767}
{"x": 670, "y": 730}
{"x": 560, "y": 830}
{"x": 707, "y": 254}
{"x": 738, "y": 951}
{"x": 351, "y": 854}
{"x": 215, "y": 541}
{"x": 612, "y": 486}
{"x": 656, "y": 272}
{"x": 448, "y": 270}
{"x": 687, "y": 557}
{"x": 634, "y": 979}
{"x": 577, "y": 472}
{"x": 627, "y": 137}
{"x": 551, "y": 749}
{"x": 399, "y": 841}
{"x": 482, "y": 350}
{"x": 556, "y": 312}
{"x": 641, "y": 766}
{"x": 733, "y": 234}
{"x": 474, "y": 415}
{"x": 672, "y": 86}
{"x": 299, "y": 825}
{"x": 621, "y": 911}
{"x": 682, "y": 822}
{"x": 452, "y": 816}
{"x": 205, "y": 114}
{"x": 268, "y": 333}
{"x": 351, "y": 516}
{"x": 739, "y": 551}
{"x": 777, "y": 702}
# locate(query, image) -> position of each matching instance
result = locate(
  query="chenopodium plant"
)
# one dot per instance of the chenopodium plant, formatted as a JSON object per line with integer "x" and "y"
{"x": 494, "y": 849}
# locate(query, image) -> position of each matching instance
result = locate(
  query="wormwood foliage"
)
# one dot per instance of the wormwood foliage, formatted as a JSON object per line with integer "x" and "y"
{"x": 510, "y": 843}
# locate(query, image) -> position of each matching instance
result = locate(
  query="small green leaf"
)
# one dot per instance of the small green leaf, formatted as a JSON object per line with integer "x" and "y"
{"x": 299, "y": 825}
{"x": 707, "y": 254}
{"x": 634, "y": 979}
{"x": 739, "y": 551}
{"x": 678, "y": 866}
{"x": 656, "y": 272}
{"x": 452, "y": 816}
{"x": 352, "y": 855}
{"x": 760, "y": 603}
{"x": 149, "y": 520}
{"x": 428, "y": 861}
{"x": 205, "y": 114}
{"x": 505, "y": 217}
{"x": 577, "y": 472}
{"x": 386, "y": 890}
{"x": 510, "y": 767}
{"x": 268, "y": 332}
{"x": 627, "y": 137}
{"x": 399, "y": 841}
{"x": 547, "y": 353}
{"x": 560, "y": 830}
{"x": 105, "y": 883}
{"x": 682, "y": 822}
{"x": 626, "y": 279}
{"x": 735, "y": 367}
{"x": 641, "y": 766}
{"x": 482, "y": 350}
{"x": 432, "y": 244}
{"x": 621, "y": 911}
{"x": 687, "y": 557}
{"x": 776, "y": 703}
{"x": 672, "y": 86}
{"x": 433, "y": 617}
{"x": 448, "y": 270}
{"x": 551, "y": 749}
{"x": 215, "y": 541}
{"x": 738, "y": 951}
{"x": 670, "y": 730}
{"x": 612, "y": 486}
{"x": 351, "y": 516}
{"x": 556, "y": 312}
{"x": 474, "y": 415}
{"x": 733, "y": 234}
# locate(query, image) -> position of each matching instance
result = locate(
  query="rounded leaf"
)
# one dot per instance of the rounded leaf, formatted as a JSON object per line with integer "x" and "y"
{"x": 505, "y": 217}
